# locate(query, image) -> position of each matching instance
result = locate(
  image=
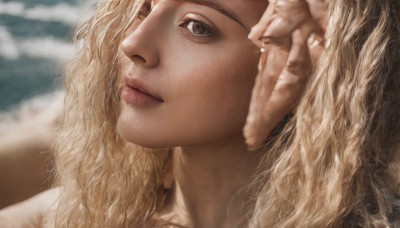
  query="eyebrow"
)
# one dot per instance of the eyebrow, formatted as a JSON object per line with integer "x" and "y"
{"x": 220, "y": 8}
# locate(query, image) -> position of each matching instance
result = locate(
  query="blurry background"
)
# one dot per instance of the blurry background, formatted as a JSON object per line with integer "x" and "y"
{"x": 35, "y": 44}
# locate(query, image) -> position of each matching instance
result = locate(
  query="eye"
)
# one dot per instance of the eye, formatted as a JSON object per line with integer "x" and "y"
{"x": 197, "y": 28}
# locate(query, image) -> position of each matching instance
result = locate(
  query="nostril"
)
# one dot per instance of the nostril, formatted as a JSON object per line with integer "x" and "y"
{"x": 138, "y": 59}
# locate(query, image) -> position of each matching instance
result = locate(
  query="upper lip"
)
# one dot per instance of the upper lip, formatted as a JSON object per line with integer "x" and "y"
{"x": 138, "y": 85}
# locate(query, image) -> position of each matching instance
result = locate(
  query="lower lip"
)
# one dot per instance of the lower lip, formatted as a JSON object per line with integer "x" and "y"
{"x": 138, "y": 98}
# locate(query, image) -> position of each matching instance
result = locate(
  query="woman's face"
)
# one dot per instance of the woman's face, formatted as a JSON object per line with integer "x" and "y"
{"x": 194, "y": 58}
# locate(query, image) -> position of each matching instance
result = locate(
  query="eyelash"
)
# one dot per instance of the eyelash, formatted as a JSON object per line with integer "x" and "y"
{"x": 188, "y": 23}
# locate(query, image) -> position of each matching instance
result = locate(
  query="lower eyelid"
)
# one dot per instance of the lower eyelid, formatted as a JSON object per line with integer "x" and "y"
{"x": 196, "y": 38}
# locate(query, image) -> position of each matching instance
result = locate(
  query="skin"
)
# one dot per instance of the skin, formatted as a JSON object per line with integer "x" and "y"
{"x": 292, "y": 33}
{"x": 214, "y": 91}
{"x": 25, "y": 148}
{"x": 204, "y": 109}
{"x": 31, "y": 212}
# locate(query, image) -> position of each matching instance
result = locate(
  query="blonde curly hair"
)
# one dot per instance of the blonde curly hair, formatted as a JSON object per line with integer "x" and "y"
{"x": 335, "y": 164}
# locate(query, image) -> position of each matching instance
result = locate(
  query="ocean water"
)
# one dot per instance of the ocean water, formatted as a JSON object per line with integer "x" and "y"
{"x": 35, "y": 44}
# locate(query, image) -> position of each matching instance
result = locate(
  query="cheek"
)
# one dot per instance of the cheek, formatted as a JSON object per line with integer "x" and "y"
{"x": 215, "y": 93}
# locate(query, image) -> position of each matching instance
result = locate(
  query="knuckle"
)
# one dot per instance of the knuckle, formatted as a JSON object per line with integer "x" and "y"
{"x": 297, "y": 66}
{"x": 272, "y": 78}
{"x": 288, "y": 87}
{"x": 285, "y": 89}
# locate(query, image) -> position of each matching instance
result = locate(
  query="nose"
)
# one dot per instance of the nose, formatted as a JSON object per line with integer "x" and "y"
{"x": 141, "y": 46}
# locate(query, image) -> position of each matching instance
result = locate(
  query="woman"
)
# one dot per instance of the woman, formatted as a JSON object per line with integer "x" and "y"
{"x": 180, "y": 83}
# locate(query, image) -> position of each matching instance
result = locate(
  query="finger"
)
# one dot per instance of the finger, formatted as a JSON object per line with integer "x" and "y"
{"x": 279, "y": 27}
{"x": 265, "y": 83}
{"x": 275, "y": 61}
{"x": 258, "y": 30}
{"x": 315, "y": 39}
{"x": 296, "y": 11}
{"x": 288, "y": 17}
{"x": 316, "y": 46}
{"x": 286, "y": 91}
{"x": 283, "y": 92}
{"x": 257, "y": 100}
{"x": 250, "y": 129}
{"x": 291, "y": 83}
{"x": 318, "y": 9}
{"x": 261, "y": 67}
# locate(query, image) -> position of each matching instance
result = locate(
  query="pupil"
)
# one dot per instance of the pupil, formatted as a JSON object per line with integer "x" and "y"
{"x": 199, "y": 29}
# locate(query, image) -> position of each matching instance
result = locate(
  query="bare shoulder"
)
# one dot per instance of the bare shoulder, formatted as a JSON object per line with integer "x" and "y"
{"x": 30, "y": 213}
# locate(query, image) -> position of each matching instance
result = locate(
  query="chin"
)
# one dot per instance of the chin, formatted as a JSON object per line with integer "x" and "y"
{"x": 141, "y": 137}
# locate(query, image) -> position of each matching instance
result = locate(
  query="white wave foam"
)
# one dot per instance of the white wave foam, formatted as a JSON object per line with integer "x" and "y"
{"x": 8, "y": 48}
{"x": 47, "y": 47}
{"x": 12, "y": 8}
{"x": 46, "y": 105}
{"x": 62, "y": 12}
{"x": 41, "y": 47}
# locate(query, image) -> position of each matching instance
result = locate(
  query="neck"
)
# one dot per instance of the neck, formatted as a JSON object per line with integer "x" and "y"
{"x": 210, "y": 183}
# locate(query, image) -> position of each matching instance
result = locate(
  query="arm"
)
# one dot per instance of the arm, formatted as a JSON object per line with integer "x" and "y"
{"x": 30, "y": 213}
{"x": 25, "y": 145}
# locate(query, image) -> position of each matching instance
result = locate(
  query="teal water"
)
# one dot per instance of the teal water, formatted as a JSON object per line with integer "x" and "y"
{"x": 30, "y": 67}
{"x": 31, "y": 3}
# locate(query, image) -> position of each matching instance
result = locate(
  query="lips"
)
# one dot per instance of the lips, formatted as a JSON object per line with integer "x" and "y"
{"x": 137, "y": 94}
{"x": 140, "y": 87}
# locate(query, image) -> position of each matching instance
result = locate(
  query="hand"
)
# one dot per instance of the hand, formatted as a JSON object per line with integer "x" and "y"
{"x": 30, "y": 213}
{"x": 290, "y": 35}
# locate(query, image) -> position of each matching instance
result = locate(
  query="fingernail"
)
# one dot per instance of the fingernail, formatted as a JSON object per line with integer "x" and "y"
{"x": 251, "y": 34}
